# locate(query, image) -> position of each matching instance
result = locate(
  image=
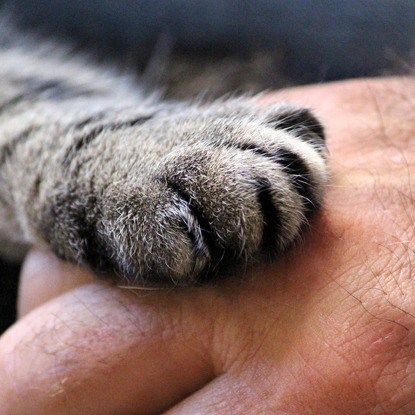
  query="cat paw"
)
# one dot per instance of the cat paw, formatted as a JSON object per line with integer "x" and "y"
{"x": 226, "y": 191}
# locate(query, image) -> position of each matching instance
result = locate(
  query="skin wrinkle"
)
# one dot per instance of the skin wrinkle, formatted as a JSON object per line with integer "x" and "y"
{"x": 385, "y": 347}
{"x": 390, "y": 263}
{"x": 340, "y": 405}
{"x": 114, "y": 331}
{"x": 360, "y": 292}
{"x": 387, "y": 397}
{"x": 236, "y": 357}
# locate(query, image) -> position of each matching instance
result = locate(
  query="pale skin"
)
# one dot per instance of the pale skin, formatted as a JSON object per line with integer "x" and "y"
{"x": 327, "y": 329}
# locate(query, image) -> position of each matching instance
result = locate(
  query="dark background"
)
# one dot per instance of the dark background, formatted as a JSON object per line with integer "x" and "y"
{"x": 319, "y": 40}
{"x": 8, "y": 290}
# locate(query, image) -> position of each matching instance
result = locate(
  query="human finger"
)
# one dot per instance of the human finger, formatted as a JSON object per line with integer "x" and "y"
{"x": 100, "y": 350}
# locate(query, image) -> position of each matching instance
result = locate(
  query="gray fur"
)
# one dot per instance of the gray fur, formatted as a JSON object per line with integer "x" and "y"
{"x": 157, "y": 192}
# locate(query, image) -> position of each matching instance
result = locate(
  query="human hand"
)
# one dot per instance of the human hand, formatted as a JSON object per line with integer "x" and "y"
{"x": 329, "y": 328}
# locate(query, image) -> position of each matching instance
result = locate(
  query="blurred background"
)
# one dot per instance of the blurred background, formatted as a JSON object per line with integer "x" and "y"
{"x": 249, "y": 42}
{"x": 188, "y": 46}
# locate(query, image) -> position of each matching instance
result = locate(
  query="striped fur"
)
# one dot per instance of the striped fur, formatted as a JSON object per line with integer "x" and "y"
{"x": 157, "y": 192}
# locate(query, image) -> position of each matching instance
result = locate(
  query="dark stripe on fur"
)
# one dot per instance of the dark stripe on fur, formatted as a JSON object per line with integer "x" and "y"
{"x": 8, "y": 149}
{"x": 192, "y": 232}
{"x": 96, "y": 253}
{"x": 300, "y": 175}
{"x": 272, "y": 217}
{"x": 208, "y": 239}
{"x": 205, "y": 228}
{"x": 294, "y": 166}
{"x": 83, "y": 141}
{"x": 13, "y": 101}
{"x": 78, "y": 217}
{"x": 89, "y": 120}
{"x": 38, "y": 90}
{"x": 299, "y": 119}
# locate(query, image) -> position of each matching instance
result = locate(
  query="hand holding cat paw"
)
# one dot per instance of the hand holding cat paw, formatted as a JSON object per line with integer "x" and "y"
{"x": 328, "y": 328}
